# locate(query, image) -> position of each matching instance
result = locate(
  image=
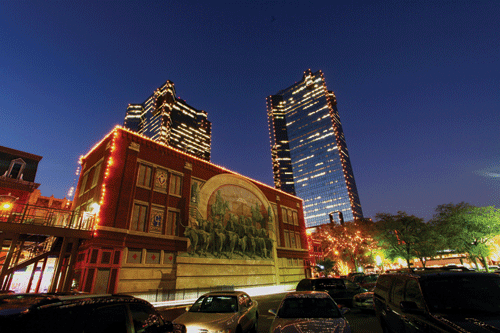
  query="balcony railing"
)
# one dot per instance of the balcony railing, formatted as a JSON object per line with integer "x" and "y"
{"x": 47, "y": 216}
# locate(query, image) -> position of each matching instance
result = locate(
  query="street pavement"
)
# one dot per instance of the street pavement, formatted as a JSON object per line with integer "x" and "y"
{"x": 361, "y": 322}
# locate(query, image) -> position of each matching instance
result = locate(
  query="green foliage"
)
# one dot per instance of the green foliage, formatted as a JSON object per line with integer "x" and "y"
{"x": 467, "y": 229}
{"x": 405, "y": 236}
{"x": 325, "y": 266}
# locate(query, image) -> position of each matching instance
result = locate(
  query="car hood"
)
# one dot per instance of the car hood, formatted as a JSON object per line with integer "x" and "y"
{"x": 207, "y": 320}
{"x": 472, "y": 323}
{"x": 309, "y": 325}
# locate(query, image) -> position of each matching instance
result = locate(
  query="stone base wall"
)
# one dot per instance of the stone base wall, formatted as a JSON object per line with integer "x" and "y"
{"x": 146, "y": 278}
{"x": 206, "y": 272}
{"x": 291, "y": 271}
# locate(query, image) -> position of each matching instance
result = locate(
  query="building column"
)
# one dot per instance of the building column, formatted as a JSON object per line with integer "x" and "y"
{"x": 57, "y": 270}
{"x": 71, "y": 263}
{"x": 6, "y": 263}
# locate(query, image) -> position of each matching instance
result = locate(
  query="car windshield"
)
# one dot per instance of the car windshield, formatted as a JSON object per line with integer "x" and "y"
{"x": 307, "y": 307}
{"x": 467, "y": 294}
{"x": 215, "y": 304}
{"x": 330, "y": 284}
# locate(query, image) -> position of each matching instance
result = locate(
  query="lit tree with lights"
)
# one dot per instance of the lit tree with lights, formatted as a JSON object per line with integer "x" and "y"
{"x": 350, "y": 242}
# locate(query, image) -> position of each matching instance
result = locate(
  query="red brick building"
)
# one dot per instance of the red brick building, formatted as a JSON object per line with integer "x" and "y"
{"x": 169, "y": 220}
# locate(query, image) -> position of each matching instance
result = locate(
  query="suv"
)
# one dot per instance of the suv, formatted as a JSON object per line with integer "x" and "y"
{"x": 341, "y": 290}
{"x": 438, "y": 301}
{"x": 78, "y": 313}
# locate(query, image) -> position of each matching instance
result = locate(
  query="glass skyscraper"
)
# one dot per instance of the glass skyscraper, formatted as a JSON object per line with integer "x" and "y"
{"x": 309, "y": 151}
{"x": 168, "y": 119}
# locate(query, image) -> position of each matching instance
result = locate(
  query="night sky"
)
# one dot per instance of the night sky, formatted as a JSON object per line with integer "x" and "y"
{"x": 417, "y": 85}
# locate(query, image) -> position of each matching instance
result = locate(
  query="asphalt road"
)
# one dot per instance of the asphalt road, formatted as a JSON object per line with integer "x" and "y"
{"x": 361, "y": 322}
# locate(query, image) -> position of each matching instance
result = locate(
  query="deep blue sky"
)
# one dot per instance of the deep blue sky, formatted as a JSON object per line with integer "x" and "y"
{"x": 417, "y": 84}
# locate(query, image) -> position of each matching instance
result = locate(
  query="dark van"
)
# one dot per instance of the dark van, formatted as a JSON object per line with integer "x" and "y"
{"x": 438, "y": 301}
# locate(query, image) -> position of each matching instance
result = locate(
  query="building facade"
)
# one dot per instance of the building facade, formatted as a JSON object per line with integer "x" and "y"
{"x": 38, "y": 235}
{"x": 168, "y": 119}
{"x": 168, "y": 220}
{"x": 309, "y": 151}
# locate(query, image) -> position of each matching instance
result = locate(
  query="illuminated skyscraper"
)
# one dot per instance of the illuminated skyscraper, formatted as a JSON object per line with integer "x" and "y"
{"x": 309, "y": 151}
{"x": 166, "y": 118}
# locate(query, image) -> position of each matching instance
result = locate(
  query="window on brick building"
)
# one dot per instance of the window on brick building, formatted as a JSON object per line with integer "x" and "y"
{"x": 97, "y": 172}
{"x": 144, "y": 175}
{"x": 172, "y": 219}
{"x": 139, "y": 217}
{"x": 175, "y": 184}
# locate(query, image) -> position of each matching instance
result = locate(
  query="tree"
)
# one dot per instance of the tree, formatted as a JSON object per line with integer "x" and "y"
{"x": 465, "y": 228}
{"x": 350, "y": 242}
{"x": 403, "y": 235}
{"x": 325, "y": 266}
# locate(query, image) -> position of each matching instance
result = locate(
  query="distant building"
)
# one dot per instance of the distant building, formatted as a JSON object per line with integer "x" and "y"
{"x": 168, "y": 119}
{"x": 170, "y": 221}
{"x": 309, "y": 151}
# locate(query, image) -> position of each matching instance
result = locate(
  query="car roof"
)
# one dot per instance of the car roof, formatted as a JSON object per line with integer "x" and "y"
{"x": 17, "y": 303}
{"x": 307, "y": 294}
{"x": 436, "y": 273}
{"x": 226, "y": 293}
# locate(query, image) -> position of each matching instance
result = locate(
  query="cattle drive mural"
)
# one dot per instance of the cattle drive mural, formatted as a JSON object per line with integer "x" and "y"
{"x": 236, "y": 227}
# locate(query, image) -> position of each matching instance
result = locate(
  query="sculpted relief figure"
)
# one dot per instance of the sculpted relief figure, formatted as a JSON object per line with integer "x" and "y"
{"x": 226, "y": 234}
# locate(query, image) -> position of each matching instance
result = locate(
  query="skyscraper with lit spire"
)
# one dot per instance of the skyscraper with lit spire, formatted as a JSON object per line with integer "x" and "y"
{"x": 168, "y": 119}
{"x": 309, "y": 151}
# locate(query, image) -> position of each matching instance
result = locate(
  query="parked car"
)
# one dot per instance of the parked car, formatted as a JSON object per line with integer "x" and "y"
{"x": 228, "y": 311}
{"x": 308, "y": 311}
{"x": 366, "y": 281}
{"x": 364, "y": 301}
{"x": 438, "y": 301}
{"x": 352, "y": 275}
{"x": 341, "y": 290}
{"x": 81, "y": 313}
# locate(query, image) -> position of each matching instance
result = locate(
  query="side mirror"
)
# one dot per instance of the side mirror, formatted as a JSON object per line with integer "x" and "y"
{"x": 273, "y": 312}
{"x": 188, "y": 307}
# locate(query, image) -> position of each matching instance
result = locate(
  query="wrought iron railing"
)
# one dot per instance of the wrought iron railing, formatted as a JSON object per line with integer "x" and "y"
{"x": 47, "y": 216}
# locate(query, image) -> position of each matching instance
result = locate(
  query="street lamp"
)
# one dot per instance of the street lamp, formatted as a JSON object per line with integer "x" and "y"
{"x": 6, "y": 204}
